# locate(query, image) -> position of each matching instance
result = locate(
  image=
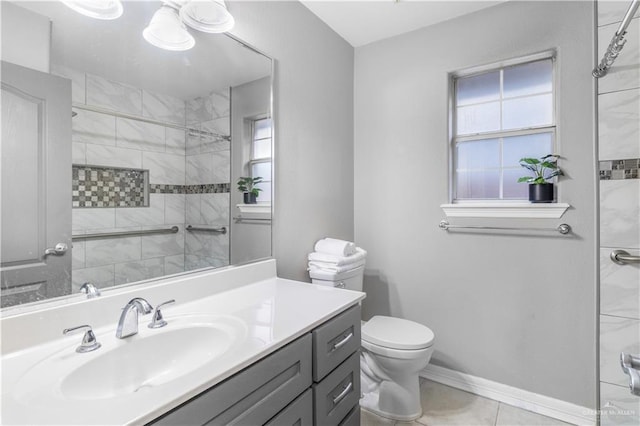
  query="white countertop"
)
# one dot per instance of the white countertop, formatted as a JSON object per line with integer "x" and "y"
{"x": 273, "y": 312}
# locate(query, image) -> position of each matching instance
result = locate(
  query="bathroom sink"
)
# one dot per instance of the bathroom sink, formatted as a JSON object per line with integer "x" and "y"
{"x": 140, "y": 363}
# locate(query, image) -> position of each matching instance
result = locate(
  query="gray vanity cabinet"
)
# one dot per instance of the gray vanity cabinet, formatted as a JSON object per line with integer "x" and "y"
{"x": 314, "y": 380}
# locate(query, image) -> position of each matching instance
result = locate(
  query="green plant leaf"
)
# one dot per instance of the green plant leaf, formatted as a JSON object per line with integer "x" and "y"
{"x": 525, "y": 179}
{"x": 530, "y": 160}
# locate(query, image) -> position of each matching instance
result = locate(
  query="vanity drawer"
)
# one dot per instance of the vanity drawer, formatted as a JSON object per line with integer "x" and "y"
{"x": 336, "y": 395}
{"x": 254, "y": 395}
{"x": 298, "y": 413}
{"x": 334, "y": 341}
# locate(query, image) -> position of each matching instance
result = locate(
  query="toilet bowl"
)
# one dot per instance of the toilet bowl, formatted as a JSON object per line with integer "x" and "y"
{"x": 394, "y": 351}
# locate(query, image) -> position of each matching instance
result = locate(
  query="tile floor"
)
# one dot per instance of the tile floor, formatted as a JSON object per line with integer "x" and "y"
{"x": 443, "y": 405}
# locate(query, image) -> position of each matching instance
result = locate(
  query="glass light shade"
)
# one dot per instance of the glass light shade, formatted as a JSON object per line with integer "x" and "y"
{"x": 209, "y": 16}
{"x": 166, "y": 31}
{"x": 98, "y": 9}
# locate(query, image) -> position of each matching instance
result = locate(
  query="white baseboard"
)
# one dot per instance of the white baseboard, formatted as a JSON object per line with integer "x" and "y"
{"x": 544, "y": 405}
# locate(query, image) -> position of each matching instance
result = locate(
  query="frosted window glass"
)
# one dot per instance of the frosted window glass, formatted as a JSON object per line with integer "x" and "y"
{"x": 478, "y": 184}
{"x": 478, "y": 118}
{"x": 528, "y": 79}
{"x": 536, "y": 145}
{"x": 478, "y": 154}
{"x": 511, "y": 189}
{"x": 262, "y": 149}
{"x": 261, "y": 169}
{"x": 527, "y": 112}
{"x": 262, "y": 129}
{"x": 265, "y": 195}
{"x": 479, "y": 88}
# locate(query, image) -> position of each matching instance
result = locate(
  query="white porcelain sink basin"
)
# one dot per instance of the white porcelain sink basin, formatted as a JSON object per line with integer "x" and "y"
{"x": 140, "y": 363}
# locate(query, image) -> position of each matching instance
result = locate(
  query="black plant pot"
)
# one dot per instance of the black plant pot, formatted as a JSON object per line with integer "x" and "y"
{"x": 249, "y": 198}
{"x": 541, "y": 193}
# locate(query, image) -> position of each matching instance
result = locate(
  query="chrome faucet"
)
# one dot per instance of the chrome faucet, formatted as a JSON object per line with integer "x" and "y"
{"x": 90, "y": 290}
{"x": 128, "y": 324}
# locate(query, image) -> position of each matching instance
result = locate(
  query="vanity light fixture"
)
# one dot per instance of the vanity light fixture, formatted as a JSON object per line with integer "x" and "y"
{"x": 167, "y": 31}
{"x": 98, "y": 9}
{"x": 209, "y": 16}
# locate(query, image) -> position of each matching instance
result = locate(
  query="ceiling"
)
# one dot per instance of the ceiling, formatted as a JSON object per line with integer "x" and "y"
{"x": 362, "y": 22}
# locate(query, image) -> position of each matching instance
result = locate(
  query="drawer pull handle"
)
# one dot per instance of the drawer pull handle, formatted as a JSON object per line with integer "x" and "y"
{"x": 342, "y": 342}
{"x": 342, "y": 394}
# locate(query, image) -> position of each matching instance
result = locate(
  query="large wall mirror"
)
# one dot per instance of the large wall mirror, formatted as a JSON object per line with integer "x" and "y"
{"x": 120, "y": 165}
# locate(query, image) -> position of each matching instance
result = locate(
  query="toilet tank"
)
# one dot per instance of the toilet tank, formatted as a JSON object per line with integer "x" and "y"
{"x": 351, "y": 280}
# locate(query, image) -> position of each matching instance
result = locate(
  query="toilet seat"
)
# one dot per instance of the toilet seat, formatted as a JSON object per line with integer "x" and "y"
{"x": 395, "y": 333}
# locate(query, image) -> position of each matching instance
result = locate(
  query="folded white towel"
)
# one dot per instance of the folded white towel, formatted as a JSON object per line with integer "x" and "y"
{"x": 332, "y": 267}
{"x": 335, "y": 247}
{"x": 338, "y": 260}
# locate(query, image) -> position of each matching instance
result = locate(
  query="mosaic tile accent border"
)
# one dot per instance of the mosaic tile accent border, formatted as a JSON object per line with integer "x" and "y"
{"x": 213, "y": 188}
{"x": 620, "y": 169}
{"x": 94, "y": 186}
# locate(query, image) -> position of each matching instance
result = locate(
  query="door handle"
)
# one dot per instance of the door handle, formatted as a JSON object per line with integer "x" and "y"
{"x": 58, "y": 250}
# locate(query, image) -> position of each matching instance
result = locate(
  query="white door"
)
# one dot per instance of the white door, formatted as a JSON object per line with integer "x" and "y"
{"x": 36, "y": 185}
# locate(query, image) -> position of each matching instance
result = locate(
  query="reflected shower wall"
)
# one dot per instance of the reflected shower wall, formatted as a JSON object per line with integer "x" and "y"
{"x": 188, "y": 180}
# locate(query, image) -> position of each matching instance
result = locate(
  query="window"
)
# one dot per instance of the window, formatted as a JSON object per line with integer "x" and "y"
{"x": 500, "y": 116}
{"x": 260, "y": 162}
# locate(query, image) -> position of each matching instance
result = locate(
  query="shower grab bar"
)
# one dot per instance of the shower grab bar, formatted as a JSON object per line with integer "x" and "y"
{"x": 172, "y": 230}
{"x": 562, "y": 228}
{"x": 622, "y": 257}
{"x": 617, "y": 42}
{"x": 248, "y": 219}
{"x": 191, "y": 130}
{"x": 221, "y": 230}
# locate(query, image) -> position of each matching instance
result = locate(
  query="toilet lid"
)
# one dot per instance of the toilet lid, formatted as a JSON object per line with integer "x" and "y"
{"x": 397, "y": 333}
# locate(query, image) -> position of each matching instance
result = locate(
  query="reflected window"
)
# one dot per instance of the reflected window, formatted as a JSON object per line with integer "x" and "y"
{"x": 260, "y": 162}
{"x": 500, "y": 116}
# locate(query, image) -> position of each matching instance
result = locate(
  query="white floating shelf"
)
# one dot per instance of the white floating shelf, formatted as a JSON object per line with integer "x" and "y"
{"x": 506, "y": 210}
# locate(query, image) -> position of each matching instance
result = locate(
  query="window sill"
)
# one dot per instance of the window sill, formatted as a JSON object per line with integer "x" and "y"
{"x": 255, "y": 211}
{"x": 506, "y": 210}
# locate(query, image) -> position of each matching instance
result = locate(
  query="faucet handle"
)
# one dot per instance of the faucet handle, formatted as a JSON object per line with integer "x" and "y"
{"x": 157, "y": 320}
{"x": 89, "y": 342}
{"x": 90, "y": 290}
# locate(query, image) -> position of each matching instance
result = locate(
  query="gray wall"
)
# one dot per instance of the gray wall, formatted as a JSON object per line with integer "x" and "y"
{"x": 313, "y": 113}
{"x": 518, "y": 308}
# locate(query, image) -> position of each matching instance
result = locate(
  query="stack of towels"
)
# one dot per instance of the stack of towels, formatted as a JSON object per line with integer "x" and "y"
{"x": 336, "y": 256}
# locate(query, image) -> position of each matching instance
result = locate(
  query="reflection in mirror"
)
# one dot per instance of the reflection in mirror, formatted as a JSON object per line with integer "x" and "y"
{"x": 127, "y": 154}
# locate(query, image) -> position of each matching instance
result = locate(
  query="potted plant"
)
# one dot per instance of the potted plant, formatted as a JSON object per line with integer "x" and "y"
{"x": 544, "y": 169}
{"x": 247, "y": 185}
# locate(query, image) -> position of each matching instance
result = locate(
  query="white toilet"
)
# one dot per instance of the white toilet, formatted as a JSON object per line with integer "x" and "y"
{"x": 394, "y": 350}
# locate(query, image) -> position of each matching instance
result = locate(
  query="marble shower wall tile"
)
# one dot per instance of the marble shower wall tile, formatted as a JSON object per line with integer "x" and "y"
{"x": 78, "y": 153}
{"x": 113, "y": 250}
{"x": 221, "y": 103}
{"x": 101, "y": 277}
{"x": 617, "y": 335}
{"x": 77, "y": 255}
{"x": 174, "y": 264}
{"x": 199, "y": 169}
{"x": 140, "y": 135}
{"x": 174, "y": 208}
{"x": 214, "y": 209}
{"x": 163, "y": 244}
{"x": 619, "y": 125}
{"x": 619, "y": 213}
{"x": 199, "y": 110}
{"x": 92, "y": 219}
{"x": 625, "y": 72}
{"x": 163, "y": 107}
{"x": 137, "y": 271}
{"x": 221, "y": 126}
{"x": 114, "y": 96}
{"x": 619, "y": 289}
{"x": 93, "y": 127}
{"x": 193, "y": 262}
{"x": 613, "y": 11}
{"x": 78, "y": 81}
{"x": 221, "y": 167}
{"x": 192, "y": 208}
{"x": 111, "y": 156}
{"x": 175, "y": 141}
{"x": 164, "y": 168}
{"x": 619, "y": 406}
{"x": 206, "y": 244}
{"x": 143, "y": 216}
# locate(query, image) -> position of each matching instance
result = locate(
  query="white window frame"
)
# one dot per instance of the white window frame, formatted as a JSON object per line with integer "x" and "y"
{"x": 500, "y": 207}
{"x": 252, "y": 160}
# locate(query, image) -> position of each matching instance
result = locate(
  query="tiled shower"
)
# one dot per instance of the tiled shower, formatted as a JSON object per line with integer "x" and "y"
{"x": 619, "y": 160}
{"x": 131, "y": 175}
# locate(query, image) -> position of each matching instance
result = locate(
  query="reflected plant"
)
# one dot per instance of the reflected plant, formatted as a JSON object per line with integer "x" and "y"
{"x": 248, "y": 184}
